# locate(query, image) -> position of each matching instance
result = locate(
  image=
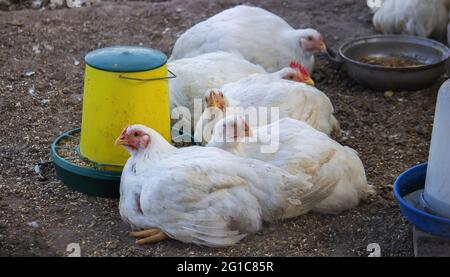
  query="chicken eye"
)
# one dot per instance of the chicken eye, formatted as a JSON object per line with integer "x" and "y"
{"x": 291, "y": 77}
{"x": 310, "y": 38}
{"x": 136, "y": 134}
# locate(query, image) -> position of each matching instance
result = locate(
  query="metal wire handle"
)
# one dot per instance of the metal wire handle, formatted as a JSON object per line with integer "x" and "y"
{"x": 171, "y": 76}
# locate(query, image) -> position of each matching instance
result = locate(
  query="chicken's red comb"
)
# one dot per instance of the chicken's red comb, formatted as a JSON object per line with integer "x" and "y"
{"x": 298, "y": 66}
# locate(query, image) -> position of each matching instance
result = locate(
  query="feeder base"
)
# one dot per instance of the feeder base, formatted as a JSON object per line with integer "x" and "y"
{"x": 426, "y": 245}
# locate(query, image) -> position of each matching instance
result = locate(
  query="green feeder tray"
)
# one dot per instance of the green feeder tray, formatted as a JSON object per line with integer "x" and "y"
{"x": 92, "y": 179}
{"x": 82, "y": 174}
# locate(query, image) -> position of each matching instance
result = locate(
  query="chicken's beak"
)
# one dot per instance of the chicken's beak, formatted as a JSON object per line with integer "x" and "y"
{"x": 323, "y": 47}
{"x": 216, "y": 102}
{"x": 120, "y": 141}
{"x": 310, "y": 82}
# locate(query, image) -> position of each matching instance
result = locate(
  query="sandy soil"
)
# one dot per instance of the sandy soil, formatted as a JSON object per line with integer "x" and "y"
{"x": 40, "y": 217}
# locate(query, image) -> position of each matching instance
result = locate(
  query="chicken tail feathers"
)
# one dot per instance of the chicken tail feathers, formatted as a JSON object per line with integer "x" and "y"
{"x": 211, "y": 233}
{"x": 317, "y": 195}
{"x": 302, "y": 201}
{"x": 336, "y": 127}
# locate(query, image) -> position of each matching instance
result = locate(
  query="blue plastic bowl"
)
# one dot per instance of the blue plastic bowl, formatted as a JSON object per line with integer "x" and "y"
{"x": 408, "y": 182}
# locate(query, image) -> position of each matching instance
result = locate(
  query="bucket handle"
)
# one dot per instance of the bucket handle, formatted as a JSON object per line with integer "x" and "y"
{"x": 171, "y": 76}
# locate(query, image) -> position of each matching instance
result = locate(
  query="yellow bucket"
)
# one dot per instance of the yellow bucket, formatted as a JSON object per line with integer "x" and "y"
{"x": 123, "y": 85}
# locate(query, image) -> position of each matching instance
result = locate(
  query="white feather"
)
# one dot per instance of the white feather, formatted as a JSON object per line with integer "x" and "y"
{"x": 302, "y": 149}
{"x": 204, "y": 195}
{"x": 423, "y": 18}
{"x": 196, "y": 75}
{"x": 260, "y": 36}
{"x": 295, "y": 100}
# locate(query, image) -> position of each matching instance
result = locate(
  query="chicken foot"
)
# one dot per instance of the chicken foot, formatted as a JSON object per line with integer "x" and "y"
{"x": 149, "y": 236}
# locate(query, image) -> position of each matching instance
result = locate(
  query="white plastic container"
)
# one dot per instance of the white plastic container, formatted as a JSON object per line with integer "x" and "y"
{"x": 437, "y": 184}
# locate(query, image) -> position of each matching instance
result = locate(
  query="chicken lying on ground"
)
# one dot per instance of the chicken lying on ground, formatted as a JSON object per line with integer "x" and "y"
{"x": 425, "y": 18}
{"x": 297, "y": 147}
{"x": 205, "y": 195}
{"x": 197, "y": 75}
{"x": 295, "y": 100}
{"x": 260, "y": 36}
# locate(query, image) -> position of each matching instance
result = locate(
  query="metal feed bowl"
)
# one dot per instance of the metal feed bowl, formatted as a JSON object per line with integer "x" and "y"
{"x": 432, "y": 54}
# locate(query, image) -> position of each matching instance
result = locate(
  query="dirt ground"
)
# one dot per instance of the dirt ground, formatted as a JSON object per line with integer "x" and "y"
{"x": 41, "y": 217}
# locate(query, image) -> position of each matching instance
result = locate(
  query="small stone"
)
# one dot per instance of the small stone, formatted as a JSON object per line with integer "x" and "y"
{"x": 36, "y": 4}
{"x": 388, "y": 93}
{"x": 75, "y": 98}
{"x": 35, "y": 49}
{"x": 33, "y": 224}
{"x": 166, "y": 30}
{"x": 29, "y": 73}
{"x": 31, "y": 91}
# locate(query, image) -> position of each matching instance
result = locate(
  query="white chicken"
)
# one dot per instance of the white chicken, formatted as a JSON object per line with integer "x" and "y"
{"x": 260, "y": 36}
{"x": 205, "y": 196}
{"x": 297, "y": 147}
{"x": 294, "y": 99}
{"x": 425, "y": 18}
{"x": 197, "y": 75}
